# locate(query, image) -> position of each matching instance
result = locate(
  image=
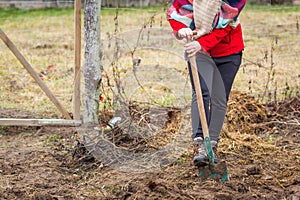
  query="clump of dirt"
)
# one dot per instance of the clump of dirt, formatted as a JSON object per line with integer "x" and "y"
{"x": 243, "y": 111}
{"x": 260, "y": 145}
{"x": 276, "y": 122}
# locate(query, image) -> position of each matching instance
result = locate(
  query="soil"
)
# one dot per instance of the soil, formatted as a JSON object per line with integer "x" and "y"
{"x": 260, "y": 143}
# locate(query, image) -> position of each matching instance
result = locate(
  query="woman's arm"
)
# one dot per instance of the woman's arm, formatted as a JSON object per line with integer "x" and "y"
{"x": 217, "y": 34}
{"x": 176, "y": 26}
{"x": 207, "y": 41}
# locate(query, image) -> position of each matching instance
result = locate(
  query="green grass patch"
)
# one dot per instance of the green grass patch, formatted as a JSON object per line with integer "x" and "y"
{"x": 4, "y": 130}
{"x": 273, "y": 8}
{"x": 26, "y": 135}
{"x": 50, "y": 139}
{"x": 15, "y": 13}
{"x": 4, "y": 146}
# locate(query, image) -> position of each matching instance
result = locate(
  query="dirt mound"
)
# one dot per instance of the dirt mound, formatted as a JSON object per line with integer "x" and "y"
{"x": 243, "y": 111}
{"x": 260, "y": 144}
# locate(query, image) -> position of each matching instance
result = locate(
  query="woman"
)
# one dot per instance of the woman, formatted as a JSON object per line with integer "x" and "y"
{"x": 218, "y": 55}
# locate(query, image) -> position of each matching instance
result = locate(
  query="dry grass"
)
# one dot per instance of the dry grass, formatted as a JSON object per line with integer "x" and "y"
{"x": 271, "y": 60}
{"x": 271, "y": 64}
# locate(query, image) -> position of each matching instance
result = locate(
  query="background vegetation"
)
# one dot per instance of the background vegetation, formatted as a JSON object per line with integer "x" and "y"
{"x": 270, "y": 69}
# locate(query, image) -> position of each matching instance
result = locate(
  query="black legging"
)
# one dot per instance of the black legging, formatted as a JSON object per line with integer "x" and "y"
{"x": 216, "y": 79}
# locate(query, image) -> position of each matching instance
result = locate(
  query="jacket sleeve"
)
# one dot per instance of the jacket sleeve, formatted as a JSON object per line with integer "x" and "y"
{"x": 176, "y": 26}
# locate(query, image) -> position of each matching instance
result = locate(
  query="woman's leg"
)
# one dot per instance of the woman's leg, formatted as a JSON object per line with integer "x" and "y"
{"x": 216, "y": 77}
{"x": 228, "y": 67}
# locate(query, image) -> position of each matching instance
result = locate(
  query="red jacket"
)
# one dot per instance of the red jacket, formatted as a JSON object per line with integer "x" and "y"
{"x": 220, "y": 42}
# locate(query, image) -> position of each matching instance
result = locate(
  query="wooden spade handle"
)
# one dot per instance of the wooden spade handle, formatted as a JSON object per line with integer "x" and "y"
{"x": 199, "y": 96}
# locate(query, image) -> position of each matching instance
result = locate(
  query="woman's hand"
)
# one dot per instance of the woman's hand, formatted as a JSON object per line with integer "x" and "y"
{"x": 185, "y": 33}
{"x": 192, "y": 48}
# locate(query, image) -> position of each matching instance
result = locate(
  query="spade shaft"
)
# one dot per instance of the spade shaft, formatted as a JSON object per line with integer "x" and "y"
{"x": 201, "y": 109}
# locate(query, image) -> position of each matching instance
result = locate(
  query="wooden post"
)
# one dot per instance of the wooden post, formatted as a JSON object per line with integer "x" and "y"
{"x": 92, "y": 69}
{"x": 77, "y": 74}
{"x": 34, "y": 75}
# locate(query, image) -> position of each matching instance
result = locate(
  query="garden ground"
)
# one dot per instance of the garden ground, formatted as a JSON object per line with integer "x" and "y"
{"x": 260, "y": 143}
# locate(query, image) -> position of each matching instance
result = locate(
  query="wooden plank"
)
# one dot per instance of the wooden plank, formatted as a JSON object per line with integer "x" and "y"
{"x": 76, "y": 96}
{"x": 38, "y": 122}
{"x": 34, "y": 75}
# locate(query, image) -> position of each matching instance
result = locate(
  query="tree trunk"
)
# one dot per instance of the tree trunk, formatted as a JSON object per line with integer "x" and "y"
{"x": 92, "y": 70}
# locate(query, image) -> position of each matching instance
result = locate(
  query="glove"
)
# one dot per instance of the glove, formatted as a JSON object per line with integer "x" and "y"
{"x": 192, "y": 48}
{"x": 185, "y": 33}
